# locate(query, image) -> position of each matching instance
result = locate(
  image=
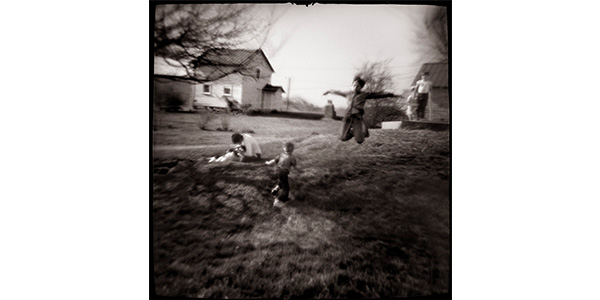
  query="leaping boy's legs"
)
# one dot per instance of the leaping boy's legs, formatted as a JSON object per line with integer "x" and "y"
{"x": 358, "y": 127}
{"x": 346, "y": 133}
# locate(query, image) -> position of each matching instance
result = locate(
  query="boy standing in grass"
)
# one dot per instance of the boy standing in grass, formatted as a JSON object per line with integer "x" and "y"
{"x": 353, "y": 123}
{"x": 284, "y": 162}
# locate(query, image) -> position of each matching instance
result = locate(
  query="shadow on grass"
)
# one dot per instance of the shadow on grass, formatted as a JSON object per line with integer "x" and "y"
{"x": 397, "y": 228}
{"x": 394, "y": 238}
{"x": 194, "y": 212}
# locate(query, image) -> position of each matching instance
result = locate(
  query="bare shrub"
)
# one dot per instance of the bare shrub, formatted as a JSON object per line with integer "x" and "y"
{"x": 246, "y": 108}
{"x": 204, "y": 118}
{"x": 173, "y": 103}
{"x": 382, "y": 110}
{"x": 225, "y": 121}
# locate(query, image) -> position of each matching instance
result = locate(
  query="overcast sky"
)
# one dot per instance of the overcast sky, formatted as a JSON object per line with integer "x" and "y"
{"x": 321, "y": 47}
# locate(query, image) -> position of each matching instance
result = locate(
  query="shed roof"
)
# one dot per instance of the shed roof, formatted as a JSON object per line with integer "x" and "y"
{"x": 438, "y": 74}
{"x": 269, "y": 87}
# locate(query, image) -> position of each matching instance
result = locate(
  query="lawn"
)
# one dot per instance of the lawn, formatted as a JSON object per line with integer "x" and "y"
{"x": 370, "y": 220}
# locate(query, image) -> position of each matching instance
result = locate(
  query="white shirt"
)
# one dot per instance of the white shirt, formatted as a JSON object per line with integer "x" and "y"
{"x": 251, "y": 144}
{"x": 227, "y": 157}
{"x": 424, "y": 87}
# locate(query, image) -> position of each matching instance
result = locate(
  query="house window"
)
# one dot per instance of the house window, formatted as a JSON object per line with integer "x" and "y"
{"x": 257, "y": 73}
{"x": 206, "y": 89}
{"x": 227, "y": 90}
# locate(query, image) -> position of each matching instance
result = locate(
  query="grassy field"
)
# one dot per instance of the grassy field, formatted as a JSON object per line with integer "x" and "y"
{"x": 368, "y": 220}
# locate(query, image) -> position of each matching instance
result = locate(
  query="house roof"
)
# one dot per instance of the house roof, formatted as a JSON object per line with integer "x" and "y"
{"x": 230, "y": 57}
{"x": 269, "y": 87}
{"x": 438, "y": 74}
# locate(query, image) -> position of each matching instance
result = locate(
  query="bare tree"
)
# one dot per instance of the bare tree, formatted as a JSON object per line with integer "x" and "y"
{"x": 187, "y": 34}
{"x": 377, "y": 76}
{"x": 432, "y": 37}
{"x": 379, "y": 79}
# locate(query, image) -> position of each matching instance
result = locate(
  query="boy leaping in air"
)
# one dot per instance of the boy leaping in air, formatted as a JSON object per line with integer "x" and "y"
{"x": 353, "y": 123}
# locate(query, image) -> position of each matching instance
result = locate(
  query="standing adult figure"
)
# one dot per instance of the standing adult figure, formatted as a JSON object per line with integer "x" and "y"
{"x": 424, "y": 87}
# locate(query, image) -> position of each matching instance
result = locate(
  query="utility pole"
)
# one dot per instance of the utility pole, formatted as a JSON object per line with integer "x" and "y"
{"x": 288, "y": 93}
{"x": 429, "y": 105}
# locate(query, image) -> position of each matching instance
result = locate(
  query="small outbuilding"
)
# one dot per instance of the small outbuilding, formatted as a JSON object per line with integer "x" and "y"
{"x": 330, "y": 110}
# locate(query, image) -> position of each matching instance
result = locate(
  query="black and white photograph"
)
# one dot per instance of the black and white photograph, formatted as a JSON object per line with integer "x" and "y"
{"x": 301, "y": 151}
{"x": 309, "y": 150}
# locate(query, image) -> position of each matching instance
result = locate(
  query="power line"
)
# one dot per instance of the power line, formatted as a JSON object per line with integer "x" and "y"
{"x": 322, "y": 88}
{"x": 404, "y": 76}
{"x": 347, "y": 84}
{"x": 340, "y": 69}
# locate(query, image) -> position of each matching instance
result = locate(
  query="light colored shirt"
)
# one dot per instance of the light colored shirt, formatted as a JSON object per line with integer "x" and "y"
{"x": 229, "y": 156}
{"x": 251, "y": 144}
{"x": 424, "y": 87}
{"x": 285, "y": 161}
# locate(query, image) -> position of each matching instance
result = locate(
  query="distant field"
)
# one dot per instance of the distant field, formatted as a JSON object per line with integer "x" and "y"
{"x": 368, "y": 220}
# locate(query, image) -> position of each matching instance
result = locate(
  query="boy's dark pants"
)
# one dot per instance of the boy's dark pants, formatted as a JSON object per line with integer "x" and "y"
{"x": 421, "y": 104}
{"x": 284, "y": 185}
{"x": 354, "y": 122}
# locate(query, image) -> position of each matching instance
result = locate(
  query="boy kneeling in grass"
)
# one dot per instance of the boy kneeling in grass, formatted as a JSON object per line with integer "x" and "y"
{"x": 284, "y": 162}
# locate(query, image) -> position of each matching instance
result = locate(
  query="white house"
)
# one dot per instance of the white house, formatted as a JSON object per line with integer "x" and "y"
{"x": 226, "y": 76}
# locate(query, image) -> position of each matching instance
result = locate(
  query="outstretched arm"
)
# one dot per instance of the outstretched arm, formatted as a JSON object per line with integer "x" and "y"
{"x": 272, "y": 161}
{"x": 336, "y": 92}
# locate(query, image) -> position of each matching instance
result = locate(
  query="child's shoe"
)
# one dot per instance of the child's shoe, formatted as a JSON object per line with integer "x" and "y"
{"x": 277, "y": 203}
{"x": 275, "y": 190}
